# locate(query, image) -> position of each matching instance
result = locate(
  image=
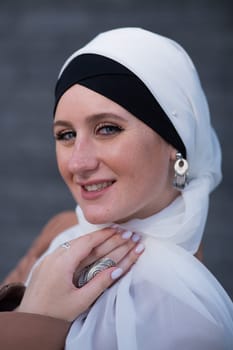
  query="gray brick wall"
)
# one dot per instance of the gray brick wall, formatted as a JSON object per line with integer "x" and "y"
{"x": 35, "y": 38}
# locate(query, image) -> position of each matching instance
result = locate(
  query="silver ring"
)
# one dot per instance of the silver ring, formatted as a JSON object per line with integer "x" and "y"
{"x": 92, "y": 270}
{"x": 65, "y": 245}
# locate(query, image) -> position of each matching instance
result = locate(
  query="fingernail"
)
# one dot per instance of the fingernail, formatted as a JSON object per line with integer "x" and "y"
{"x": 136, "y": 237}
{"x": 126, "y": 234}
{"x": 116, "y": 273}
{"x": 117, "y": 228}
{"x": 140, "y": 247}
{"x": 114, "y": 226}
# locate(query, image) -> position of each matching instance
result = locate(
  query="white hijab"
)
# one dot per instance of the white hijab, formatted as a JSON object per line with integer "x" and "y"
{"x": 169, "y": 300}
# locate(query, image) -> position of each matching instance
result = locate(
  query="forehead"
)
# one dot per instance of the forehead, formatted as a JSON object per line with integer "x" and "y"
{"x": 80, "y": 101}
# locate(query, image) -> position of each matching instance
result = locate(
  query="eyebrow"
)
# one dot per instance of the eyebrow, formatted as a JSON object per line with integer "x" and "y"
{"x": 92, "y": 118}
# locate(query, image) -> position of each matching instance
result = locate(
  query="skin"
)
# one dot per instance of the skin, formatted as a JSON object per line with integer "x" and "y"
{"x": 57, "y": 295}
{"x": 97, "y": 141}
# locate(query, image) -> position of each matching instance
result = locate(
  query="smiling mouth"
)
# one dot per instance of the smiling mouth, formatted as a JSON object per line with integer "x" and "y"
{"x": 97, "y": 187}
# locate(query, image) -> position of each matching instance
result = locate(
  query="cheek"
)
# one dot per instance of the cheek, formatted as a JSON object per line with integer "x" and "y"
{"x": 129, "y": 155}
{"x": 62, "y": 163}
{"x": 131, "y": 163}
{"x": 152, "y": 165}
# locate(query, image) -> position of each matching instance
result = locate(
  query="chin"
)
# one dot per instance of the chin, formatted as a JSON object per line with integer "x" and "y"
{"x": 98, "y": 218}
{"x": 105, "y": 214}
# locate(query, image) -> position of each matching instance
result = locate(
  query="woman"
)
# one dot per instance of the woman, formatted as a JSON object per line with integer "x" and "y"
{"x": 136, "y": 148}
{"x": 49, "y": 305}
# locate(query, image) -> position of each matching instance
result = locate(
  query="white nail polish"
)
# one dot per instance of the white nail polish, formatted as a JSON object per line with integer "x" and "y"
{"x": 116, "y": 273}
{"x": 114, "y": 226}
{"x": 136, "y": 237}
{"x": 126, "y": 234}
{"x": 140, "y": 247}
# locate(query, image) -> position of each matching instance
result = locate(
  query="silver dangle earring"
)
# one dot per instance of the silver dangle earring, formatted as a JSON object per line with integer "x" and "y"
{"x": 181, "y": 172}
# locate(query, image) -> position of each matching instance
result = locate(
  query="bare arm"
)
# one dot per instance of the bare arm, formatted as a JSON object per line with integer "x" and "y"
{"x": 56, "y": 225}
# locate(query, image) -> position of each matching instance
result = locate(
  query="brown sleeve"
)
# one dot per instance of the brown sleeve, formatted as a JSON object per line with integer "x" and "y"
{"x": 26, "y": 331}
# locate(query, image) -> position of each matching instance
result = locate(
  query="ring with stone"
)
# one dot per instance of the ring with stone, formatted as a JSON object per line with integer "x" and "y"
{"x": 92, "y": 270}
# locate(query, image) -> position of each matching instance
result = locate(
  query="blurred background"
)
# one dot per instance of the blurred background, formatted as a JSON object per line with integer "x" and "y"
{"x": 35, "y": 39}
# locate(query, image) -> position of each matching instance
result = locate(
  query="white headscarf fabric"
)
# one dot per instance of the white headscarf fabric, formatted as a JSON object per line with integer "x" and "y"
{"x": 168, "y": 300}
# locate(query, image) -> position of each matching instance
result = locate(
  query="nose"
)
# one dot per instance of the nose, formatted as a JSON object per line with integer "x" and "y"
{"x": 83, "y": 161}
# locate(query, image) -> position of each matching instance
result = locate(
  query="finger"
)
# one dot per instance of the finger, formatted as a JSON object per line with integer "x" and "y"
{"x": 103, "y": 280}
{"x": 122, "y": 243}
{"x": 113, "y": 242}
{"x": 121, "y": 239}
{"x": 120, "y": 252}
{"x": 130, "y": 259}
{"x": 81, "y": 247}
{"x": 94, "y": 288}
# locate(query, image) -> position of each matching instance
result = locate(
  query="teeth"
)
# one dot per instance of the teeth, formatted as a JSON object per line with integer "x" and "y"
{"x": 97, "y": 187}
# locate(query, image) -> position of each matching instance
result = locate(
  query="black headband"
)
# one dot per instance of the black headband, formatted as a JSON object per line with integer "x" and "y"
{"x": 114, "y": 81}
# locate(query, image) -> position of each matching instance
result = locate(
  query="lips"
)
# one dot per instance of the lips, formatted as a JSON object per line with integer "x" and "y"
{"x": 97, "y": 187}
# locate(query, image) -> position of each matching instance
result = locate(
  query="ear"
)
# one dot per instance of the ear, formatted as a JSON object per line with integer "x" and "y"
{"x": 173, "y": 154}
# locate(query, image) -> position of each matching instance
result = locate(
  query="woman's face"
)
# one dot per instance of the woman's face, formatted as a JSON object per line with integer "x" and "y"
{"x": 116, "y": 167}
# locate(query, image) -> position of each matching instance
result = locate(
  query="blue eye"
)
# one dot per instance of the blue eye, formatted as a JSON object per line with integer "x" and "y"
{"x": 108, "y": 129}
{"x": 65, "y": 135}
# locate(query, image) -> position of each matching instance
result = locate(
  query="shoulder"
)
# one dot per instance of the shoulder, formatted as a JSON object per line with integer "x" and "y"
{"x": 60, "y": 222}
{"x": 57, "y": 224}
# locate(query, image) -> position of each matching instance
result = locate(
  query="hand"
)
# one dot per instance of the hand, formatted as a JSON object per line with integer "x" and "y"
{"x": 51, "y": 290}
